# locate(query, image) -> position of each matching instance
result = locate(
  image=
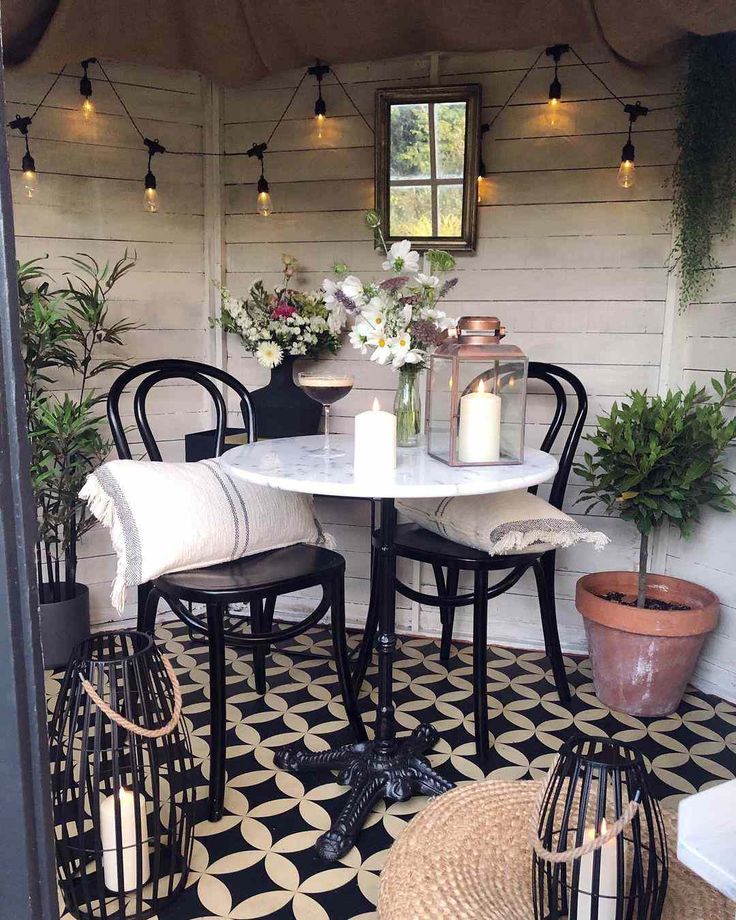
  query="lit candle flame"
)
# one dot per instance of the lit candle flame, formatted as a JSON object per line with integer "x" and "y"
{"x": 376, "y": 404}
{"x": 481, "y": 386}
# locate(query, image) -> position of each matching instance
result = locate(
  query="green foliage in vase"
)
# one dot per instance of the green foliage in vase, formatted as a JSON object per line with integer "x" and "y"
{"x": 660, "y": 460}
{"x": 63, "y": 331}
{"x": 704, "y": 178}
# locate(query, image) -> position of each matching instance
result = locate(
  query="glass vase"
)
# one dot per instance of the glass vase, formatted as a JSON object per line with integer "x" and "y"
{"x": 408, "y": 407}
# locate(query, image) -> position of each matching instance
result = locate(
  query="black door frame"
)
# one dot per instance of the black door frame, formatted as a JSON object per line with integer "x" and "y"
{"x": 27, "y": 873}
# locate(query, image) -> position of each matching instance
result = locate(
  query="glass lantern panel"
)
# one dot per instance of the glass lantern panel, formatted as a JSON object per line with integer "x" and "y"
{"x": 491, "y": 411}
{"x": 439, "y": 407}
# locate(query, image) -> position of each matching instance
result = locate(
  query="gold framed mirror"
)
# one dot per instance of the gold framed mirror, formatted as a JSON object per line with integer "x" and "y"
{"x": 427, "y": 142}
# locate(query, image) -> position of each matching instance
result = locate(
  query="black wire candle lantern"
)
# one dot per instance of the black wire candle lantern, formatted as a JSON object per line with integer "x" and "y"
{"x": 122, "y": 780}
{"x": 600, "y": 849}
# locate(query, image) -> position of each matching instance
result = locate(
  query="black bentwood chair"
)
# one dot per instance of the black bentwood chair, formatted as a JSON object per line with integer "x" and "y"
{"x": 448, "y": 559}
{"x": 254, "y": 580}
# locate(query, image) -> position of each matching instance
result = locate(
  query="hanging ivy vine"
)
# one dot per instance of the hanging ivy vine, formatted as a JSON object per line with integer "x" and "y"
{"x": 704, "y": 178}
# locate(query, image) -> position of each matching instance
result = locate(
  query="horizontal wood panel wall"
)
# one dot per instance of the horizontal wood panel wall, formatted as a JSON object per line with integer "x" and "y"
{"x": 90, "y": 199}
{"x": 706, "y": 347}
{"x": 574, "y": 265}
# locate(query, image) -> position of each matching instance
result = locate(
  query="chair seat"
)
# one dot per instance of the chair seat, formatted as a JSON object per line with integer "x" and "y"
{"x": 415, "y": 542}
{"x": 289, "y": 569}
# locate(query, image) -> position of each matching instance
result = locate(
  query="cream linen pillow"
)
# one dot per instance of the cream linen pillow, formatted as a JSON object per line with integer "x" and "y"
{"x": 504, "y": 523}
{"x": 170, "y": 517}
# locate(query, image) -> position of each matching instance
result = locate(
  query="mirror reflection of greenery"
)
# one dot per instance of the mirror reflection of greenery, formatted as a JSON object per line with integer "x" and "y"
{"x": 449, "y": 120}
{"x": 411, "y": 158}
{"x": 410, "y": 153}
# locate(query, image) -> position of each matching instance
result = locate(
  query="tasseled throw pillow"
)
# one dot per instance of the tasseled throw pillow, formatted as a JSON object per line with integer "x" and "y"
{"x": 500, "y": 524}
{"x": 170, "y": 517}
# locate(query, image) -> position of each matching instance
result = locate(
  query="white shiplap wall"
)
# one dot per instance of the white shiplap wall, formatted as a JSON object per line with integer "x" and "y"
{"x": 574, "y": 265}
{"x": 90, "y": 199}
{"x": 707, "y": 347}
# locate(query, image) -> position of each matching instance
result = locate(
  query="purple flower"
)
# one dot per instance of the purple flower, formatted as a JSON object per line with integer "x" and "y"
{"x": 426, "y": 333}
{"x": 347, "y": 302}
{"x": 447, "y": 287}
{"x": 391, "y": 285}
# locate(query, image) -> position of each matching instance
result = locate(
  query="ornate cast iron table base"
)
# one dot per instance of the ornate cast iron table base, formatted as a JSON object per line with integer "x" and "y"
{"x": 374, "y": 770}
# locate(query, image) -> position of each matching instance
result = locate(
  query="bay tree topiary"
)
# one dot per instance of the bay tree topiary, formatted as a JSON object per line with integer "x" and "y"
{"x": 660, "y": 459}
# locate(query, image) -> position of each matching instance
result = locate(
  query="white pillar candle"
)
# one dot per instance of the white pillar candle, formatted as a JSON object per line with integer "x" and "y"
{"x": 479, "y": 437}
{"x": 375, "y": 443}
{"x": 128, "y": 842}
{"x": 607, "y": 882}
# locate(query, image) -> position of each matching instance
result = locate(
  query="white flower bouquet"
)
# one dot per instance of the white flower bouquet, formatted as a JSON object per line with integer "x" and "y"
{"x": 397, "y": 319}
{"x": 283, "y": 322}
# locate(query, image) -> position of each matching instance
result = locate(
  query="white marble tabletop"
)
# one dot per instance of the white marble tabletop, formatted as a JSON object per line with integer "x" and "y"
{"x": 290, "y": 464}
{"x": 706, "y": 840}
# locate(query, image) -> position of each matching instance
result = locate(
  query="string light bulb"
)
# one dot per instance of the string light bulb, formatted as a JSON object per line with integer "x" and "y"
{"x": 85, "y": 90}
{"x": 21, "y": 124}
{"x": 626, "y": 177}
{"x": 150, "y": 192}
{"x": 320, "y": 106}
{"x": 555, "y": 87}
{"x": 264, "y": 205}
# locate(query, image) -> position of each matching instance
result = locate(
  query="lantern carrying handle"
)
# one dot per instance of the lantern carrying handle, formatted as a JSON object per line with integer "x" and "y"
{"x": 588, "y": 846}
{"x": 129, "y": 726}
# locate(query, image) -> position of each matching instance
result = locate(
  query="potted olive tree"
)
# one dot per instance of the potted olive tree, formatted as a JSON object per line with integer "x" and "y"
{"x": 657, "y": 460}
{"x": 63, "y": 331}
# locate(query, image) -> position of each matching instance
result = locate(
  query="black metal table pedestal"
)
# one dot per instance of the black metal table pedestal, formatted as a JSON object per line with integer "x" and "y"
{"x": 373, "y": 774}
{"x": 387, "y": 767}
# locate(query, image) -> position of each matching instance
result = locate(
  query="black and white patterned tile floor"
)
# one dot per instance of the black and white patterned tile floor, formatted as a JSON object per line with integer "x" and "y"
{"x": 258, "y": 861}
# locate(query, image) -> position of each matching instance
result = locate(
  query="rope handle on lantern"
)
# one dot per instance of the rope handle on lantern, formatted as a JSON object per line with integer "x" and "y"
{"x": 588, "y": 846}
{"x": 129, "y": 726}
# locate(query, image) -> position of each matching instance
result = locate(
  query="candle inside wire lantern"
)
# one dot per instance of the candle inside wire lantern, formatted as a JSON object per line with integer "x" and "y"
{"x": 476, "y": 396}
{"x": 122, "y": 780}
{"x": 600, "y": 848}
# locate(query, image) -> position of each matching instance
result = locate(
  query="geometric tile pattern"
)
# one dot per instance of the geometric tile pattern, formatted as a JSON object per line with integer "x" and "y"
{"x": 258, "y": 861}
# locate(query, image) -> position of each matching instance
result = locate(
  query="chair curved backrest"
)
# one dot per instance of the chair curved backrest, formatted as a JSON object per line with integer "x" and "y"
{"x": 554, "y": 375}
{"x": 154, "y": 372}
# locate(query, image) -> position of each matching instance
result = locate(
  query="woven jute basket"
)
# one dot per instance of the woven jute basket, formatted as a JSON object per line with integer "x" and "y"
{"x": 467, "y": 856}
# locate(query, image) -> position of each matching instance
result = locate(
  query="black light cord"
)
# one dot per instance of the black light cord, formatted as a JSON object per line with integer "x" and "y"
{"x": 45, "y": 95}
{"x": 515, "y": 89}
{"x": 120, "y": 100}
{"x": 352, "y": 101}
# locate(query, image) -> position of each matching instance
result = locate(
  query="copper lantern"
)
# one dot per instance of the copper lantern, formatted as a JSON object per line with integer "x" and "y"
{"x": 476, "y": 396}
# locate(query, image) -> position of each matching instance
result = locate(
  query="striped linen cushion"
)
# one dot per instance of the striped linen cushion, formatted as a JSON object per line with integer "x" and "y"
{"x": 170, "y": 517}
{"x": 508, "y": 522}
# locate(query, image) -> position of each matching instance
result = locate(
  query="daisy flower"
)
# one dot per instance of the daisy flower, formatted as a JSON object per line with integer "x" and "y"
{"x": 400, "y": 348}
{"x": 269, "y": 354}
{"x": 382, "y": 352}
{"x": 428, "y": 281}
{"x": 401, "y": 258}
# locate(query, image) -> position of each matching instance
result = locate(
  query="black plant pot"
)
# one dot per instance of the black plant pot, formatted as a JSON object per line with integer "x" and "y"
{"x": 282, "y": 409}
{"x": 64, "y": 624}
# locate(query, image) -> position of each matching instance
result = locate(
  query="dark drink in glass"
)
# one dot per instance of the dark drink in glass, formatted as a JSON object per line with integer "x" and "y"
{"x": 326, "y": 389}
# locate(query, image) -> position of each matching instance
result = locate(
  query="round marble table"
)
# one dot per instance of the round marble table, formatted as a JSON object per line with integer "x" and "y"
{"x": 389, "y": 767}
{"x": 287, "y": 463}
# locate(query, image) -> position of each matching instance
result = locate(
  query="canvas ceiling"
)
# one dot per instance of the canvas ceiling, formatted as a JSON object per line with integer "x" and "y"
{"x": 236, "y": 41}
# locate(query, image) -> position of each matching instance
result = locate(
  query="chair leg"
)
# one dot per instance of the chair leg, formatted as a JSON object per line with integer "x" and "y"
{"x": 259, "y": 652}
{"x": 480, "y": 664}
{"x": 342, "y": 662}
{"x": 447, "y": 614}
{"x": 217, "y": 709}
{"x": 544, "y": 572}
{"x": 148, "y": 599}
{"x": 369, "y": 634}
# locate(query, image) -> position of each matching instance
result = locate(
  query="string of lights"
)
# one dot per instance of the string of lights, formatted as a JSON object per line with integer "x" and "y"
{"x": 627, "y": 170}
{"x": 318, "y": 71}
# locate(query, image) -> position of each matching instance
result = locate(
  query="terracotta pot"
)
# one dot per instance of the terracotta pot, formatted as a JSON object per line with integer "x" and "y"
{"x": 643, "y": 659}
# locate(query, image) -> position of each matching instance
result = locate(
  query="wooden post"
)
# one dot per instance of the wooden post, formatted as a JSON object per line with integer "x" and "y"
{"x": 27, "y": 875}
